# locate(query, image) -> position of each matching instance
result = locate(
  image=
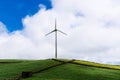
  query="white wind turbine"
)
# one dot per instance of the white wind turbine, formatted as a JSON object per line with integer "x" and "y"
{"x": 56, "y": 30}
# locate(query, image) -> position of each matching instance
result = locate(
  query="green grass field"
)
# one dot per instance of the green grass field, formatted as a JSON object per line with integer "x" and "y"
{"x": 75, "y": 70}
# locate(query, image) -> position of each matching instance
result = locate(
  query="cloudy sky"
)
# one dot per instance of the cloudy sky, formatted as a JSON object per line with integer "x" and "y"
{"x": 93, "y": 28}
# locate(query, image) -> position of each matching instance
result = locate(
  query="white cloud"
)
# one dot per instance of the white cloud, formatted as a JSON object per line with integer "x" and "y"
{"x": 93, "y": 28}
{"x": 3, "y": 29}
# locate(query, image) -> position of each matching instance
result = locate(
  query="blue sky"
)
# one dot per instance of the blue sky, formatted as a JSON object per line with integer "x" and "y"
{"x": 12, "y": 11}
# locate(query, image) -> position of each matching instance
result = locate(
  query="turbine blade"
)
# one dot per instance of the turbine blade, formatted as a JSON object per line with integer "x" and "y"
{"x": 62, "y": 32}
{"x": 50, "y": 32}
{"x": 55, "y": 24}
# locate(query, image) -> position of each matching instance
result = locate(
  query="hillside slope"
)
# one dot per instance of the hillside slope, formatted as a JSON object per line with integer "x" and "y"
{"x": 52, "y": 69}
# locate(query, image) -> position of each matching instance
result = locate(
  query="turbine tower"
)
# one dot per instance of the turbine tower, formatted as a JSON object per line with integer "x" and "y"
{"x": 56, "y": 30}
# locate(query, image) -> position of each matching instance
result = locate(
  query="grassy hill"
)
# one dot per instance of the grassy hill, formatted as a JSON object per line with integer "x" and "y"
{"x": 52, "y": 69}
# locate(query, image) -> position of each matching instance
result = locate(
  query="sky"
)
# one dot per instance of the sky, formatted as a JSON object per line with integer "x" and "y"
{"x": 13, "y": 11}
{"x": 93, "y": 28}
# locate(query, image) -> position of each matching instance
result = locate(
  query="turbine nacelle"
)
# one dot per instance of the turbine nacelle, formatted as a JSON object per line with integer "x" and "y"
{"x": 55, "y": 31}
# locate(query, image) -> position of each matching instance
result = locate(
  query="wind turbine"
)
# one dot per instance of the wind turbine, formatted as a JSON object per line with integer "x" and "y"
{"x": 56, "y": 30}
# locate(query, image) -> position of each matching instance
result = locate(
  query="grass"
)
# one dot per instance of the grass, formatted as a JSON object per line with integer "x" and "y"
{"x": 97, "y": 64}
{"x": 14, "y": 69}
{"x": 77, "y": 72}
{"x": 83, "y": 70}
